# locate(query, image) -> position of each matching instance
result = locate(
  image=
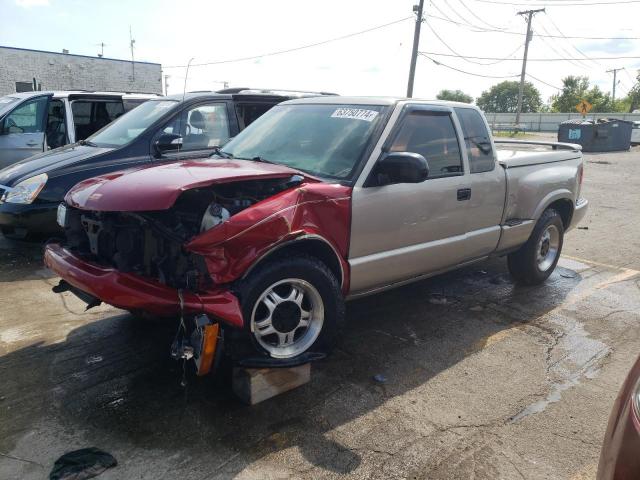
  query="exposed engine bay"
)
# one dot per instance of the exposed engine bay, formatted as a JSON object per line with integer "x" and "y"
{"x": 150, "y": 244}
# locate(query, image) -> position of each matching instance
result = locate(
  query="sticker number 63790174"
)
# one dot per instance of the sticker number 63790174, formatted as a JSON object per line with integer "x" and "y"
{"x": 355, "y": 113}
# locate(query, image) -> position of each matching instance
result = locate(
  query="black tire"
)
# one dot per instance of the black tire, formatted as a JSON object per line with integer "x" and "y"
{"x": 304, "y": 268}
{"x": 523, "y": 263}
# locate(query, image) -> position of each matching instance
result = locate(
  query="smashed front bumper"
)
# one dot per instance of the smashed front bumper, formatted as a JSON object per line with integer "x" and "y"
{"x": 133, "y": 292}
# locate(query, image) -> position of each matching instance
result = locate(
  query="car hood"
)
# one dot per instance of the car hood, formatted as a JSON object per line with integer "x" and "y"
{"x": 158, "y": 187}
{"x": 48, "y": 161}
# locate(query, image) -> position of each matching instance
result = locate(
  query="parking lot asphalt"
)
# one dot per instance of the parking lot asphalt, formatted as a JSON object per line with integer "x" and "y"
{"x": 481, "y": 379}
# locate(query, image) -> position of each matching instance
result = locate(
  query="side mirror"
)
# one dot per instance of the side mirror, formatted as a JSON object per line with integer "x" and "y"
{"x": 168, "y": 142}
{"x": 399, "y": 167}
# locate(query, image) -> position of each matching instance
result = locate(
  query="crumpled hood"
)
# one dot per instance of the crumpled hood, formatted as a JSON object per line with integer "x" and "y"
{"x": 48, "y": 161}
{"x": 157, "y": 187}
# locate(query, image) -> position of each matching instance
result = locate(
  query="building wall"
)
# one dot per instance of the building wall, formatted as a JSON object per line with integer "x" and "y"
{"x": 59, "y": 71}
{"x": 547, "y": 122}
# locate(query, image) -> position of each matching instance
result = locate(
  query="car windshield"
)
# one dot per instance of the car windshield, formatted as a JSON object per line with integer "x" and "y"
{"x": 6, "y": 103}
{"x": 130, "y": 125}
{"x": 323, "y": 140}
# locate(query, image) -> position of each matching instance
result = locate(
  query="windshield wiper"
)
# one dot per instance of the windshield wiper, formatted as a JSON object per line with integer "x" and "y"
{"x": 220, "y": 153}
{"x": 88, "y": 143}
{"x": 261, "y": 160}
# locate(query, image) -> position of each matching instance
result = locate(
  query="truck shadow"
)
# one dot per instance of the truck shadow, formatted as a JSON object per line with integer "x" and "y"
{"x": 113, "y": 380}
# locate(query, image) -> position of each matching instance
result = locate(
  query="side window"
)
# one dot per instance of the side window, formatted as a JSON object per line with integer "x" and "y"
{"x": 477, "y": 140}
{"x": 201, "y": 127}
{"x": 248, "y": 113}
{"x": 27, "y": 118}
{"x": 433, "y": 136}
{"x": 114, "y": 110}
{"x": 56, "y": 125}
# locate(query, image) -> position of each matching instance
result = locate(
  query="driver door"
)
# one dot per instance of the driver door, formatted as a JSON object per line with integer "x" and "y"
{"x": 404, "y": 231}
{"x": 22, "y": 130}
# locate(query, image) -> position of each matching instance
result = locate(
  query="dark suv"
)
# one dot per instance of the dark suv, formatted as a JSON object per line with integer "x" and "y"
{"x": 162, "y": 129}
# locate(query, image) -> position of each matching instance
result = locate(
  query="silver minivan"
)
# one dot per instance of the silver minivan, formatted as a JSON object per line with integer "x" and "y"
{"x": 33, "y": 122}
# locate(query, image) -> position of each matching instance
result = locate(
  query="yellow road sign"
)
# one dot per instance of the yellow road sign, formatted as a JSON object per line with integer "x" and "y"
{"x": 584, "y": 107}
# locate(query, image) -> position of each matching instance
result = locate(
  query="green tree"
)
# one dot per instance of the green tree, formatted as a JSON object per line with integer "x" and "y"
{"x": 454, "y": 96}
{"x": 503, "y": 98}
{"x": 575, "y": 89}
{"x": 633, "y": 98}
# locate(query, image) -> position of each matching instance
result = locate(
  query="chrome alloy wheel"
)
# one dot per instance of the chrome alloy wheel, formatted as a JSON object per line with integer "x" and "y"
{"x": 548, "y": 248}
{"x": 287, "y": 318}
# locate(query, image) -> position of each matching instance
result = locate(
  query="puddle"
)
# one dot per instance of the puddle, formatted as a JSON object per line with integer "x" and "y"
{"x": 574, "y": 356}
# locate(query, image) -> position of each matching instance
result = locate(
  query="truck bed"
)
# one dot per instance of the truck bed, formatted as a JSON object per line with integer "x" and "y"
{"x": 521, "y": 153}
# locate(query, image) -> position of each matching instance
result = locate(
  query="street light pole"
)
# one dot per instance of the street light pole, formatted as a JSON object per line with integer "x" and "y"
{"x": 416, "y": 41}
{"x": 529, "y": 14}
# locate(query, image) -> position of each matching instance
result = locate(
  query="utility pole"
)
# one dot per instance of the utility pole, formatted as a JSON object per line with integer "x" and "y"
{"x": 615, "y": 75}
{"x": 166, "y": 84}
{"x": 416, "y": 40}
{"x": 529, "y": 14}
{"x": 133, "y": 63}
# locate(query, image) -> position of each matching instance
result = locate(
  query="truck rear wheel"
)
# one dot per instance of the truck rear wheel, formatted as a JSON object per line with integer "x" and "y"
{"x": 292, "y": 306}
{"x": 537, "y": 258}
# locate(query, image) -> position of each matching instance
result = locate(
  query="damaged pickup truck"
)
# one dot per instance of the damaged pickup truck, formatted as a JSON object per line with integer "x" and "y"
{"x": 319, "y": 200}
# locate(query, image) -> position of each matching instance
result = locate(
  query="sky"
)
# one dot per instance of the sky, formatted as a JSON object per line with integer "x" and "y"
{"x": 372, "y": 63}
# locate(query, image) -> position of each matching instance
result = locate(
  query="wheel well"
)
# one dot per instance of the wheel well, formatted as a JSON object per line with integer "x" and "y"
{"x": 564, "y": 207}
{"x": 319, "y": 249}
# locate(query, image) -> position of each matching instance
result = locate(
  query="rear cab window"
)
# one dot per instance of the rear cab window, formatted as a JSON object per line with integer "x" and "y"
{"x": 477, "y": 140}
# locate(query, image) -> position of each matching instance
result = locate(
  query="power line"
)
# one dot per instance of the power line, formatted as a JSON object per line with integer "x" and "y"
{"x": 294, "y": 49}
{"x": 548, "y": 17}
{"x": 556, "y": 3}
{"x": 559, "y": 59}
{"x": 542, "y": 81}
{"x": 464, "y": 71}
{"x": 477, "y": 17}
{"x": 462, "y": 56}
{"x": 509, "y": 32}
{"x": 550, "y": 45}
{"x": 464, "y": 19}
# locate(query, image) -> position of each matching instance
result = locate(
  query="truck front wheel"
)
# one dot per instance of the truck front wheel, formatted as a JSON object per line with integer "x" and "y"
{"x": 537, "y": 258}
{"x": 291, "y": 306}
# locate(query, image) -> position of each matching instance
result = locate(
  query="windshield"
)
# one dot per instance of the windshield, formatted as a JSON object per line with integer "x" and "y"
{"x": 130, "y": 125}
{"x": 323, "y": 140}
{"x": 6, "y": 103}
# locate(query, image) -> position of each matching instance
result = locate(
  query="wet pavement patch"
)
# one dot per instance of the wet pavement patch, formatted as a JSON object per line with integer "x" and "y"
{"x": 82, "y": 464}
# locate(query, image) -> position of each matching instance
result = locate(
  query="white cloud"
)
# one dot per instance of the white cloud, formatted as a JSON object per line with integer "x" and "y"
{"x": 32, "y": 3}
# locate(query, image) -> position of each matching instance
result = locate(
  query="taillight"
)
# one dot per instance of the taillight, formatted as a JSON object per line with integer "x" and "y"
{"x": 580, "y": 177}
{"x": 580, "y": 174}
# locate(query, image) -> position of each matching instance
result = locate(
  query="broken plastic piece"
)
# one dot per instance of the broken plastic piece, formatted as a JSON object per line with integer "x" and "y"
{"x": 82, "y": 464}
{"x": 379, "y": 378}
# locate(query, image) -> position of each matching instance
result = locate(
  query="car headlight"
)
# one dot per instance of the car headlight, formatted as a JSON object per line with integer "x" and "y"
{"x": 27, "y": 190}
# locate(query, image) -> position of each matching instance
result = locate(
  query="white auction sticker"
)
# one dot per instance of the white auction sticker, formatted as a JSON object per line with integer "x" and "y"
{"x": 355, "y": 113}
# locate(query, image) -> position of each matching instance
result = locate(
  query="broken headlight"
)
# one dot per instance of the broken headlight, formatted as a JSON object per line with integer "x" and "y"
{"x": 214, "y": 215}
{"x": 27, "y": 190}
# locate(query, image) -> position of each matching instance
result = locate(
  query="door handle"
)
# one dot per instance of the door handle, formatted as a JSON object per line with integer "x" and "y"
{"x": 464, "y": 194}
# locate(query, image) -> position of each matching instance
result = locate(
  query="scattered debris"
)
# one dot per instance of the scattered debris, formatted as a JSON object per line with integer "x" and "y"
{"x": 599, "y": 162}
{"x": 477, "y": 308}
{"x": 82, "y": 464}
{"x": 438, "y": 299}
{"x": 94, "y": 359}
{"x": 379, "y": 378}
{"x": 568, "y": 275}
{"x": 583, "y": 228}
